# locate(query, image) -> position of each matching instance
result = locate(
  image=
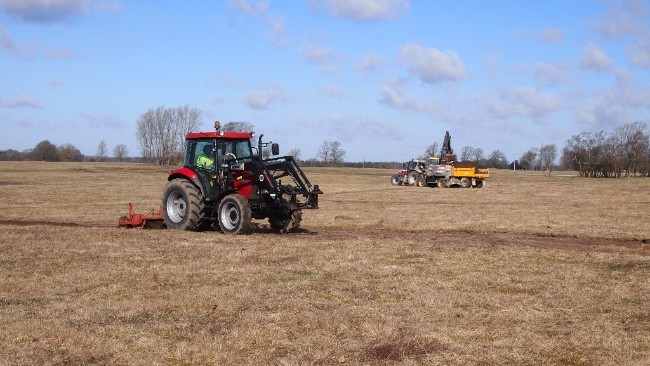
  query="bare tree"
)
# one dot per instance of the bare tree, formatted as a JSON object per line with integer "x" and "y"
{"x": 120, "y": 152}
{"x": 324, "y": 152}
{"x": 547, "y": 155}
{"x": 466, "y": 153}
{"x": 528, "y": 160}
{"x": 295, "y": 153}
{"x": 238, "y": 127}
{"x": 44, "y": 151}
{"x": 331, "y": 152}
{"x": 68, "y": 152}
{"x": 478, "y": 155}
{"x": 629, "y": 144}
{"x": 336, "y": 152}
{"x": 102, "y": 150}
{"x": 432, "y": 150}
{"x": 586, "y": 153}
{"x": 498, "y": 159}
{"x": 161, "y": 132}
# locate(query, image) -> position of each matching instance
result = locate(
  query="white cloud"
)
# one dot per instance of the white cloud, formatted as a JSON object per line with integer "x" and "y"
{"x": 21, "y": 100}
{"x": 58, "y": 54}
{"x": 550, "y": 73}
{"x": 55, "y": 83}
{"x": 259, "y": 8}
{"x": 594, "y": 58}
{"x": 393, "y": 96}
{"x": 551, "y": 35}
{"x": 14, "y": 49}
{"x": 361, "y": 10}
{"x": 263, "y": 99}
{"x": 526, "y": 102}
{"x": 44, "y": 11}
{"x": 640, "y": 55}
{"x": 623, "y": 18}
{"x": 350, "y": 128}
{"x": 333, "y": 91}
{"x": 430, "y": 65}
{"x": 371, "y": 62}
{"x": 314, "y": 53}
{"x": 100, "y": 121}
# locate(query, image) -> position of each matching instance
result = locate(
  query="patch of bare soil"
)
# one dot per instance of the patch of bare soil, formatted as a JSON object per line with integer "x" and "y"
{"x": 489, "y": 240}
{"x": 492, "y": 240}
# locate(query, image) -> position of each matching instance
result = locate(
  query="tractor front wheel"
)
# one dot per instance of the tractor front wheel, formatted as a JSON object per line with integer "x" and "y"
{"x": 286, "y": 222}
{"x": 234, "y": 214}
{"x": 420, "y": 182}
{"x": 442, "y": 183}
{"x": 183, "y": 206}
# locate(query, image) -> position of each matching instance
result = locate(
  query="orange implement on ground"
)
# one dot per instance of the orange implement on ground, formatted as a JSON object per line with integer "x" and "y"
{"x": 152, "y": 220}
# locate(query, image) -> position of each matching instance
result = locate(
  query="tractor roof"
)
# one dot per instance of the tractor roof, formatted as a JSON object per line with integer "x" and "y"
{"x": 218, "y": 135}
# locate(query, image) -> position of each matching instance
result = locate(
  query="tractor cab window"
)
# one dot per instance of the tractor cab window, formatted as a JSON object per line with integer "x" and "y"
{"x": 201, "y": 155}
{"x": 234, "y": 149}
{"x": 412, "y": 165}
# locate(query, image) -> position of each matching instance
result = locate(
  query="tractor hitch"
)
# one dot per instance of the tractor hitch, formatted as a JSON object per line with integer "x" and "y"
{"x": 152, "y": 220}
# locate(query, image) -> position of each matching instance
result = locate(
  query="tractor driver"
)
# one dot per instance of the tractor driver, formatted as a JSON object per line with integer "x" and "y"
{"x": 206, "y": 160}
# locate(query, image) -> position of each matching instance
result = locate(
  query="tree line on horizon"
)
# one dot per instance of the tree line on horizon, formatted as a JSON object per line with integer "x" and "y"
{"x": 161, "y": 137}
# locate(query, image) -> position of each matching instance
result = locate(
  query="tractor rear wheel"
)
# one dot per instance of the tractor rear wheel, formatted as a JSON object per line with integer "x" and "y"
{"x": 234, "y": 214}
{"x": 183, "y": 205}
{"x": 442, "y": 183}
{"x": 396, "y": 180}
{"x": 411, "y": 178}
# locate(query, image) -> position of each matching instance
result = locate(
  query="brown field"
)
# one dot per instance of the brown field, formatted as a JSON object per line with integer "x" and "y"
{"x": 529, "y": 270}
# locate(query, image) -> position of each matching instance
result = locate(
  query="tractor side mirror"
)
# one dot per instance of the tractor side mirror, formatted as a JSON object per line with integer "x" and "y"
{"x": 275, "y": 149}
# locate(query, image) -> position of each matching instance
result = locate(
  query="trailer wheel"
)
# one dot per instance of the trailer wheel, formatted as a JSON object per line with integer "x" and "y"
{"x": 234, "y": 214}
{"x": 395, "y": 180}
{"x": 183, "y": 205}
{"x": 479, "y": 184}
{"x": 465, "y": 182}
{"x": 442, "y": 183}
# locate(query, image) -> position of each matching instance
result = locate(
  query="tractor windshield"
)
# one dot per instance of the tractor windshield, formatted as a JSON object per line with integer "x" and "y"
{"x": 240, "y": 148}
{"x": 202, "y": 153}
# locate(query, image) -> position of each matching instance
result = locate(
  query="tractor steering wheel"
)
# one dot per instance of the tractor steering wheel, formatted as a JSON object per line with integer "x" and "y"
{"x": 233, "y": 156}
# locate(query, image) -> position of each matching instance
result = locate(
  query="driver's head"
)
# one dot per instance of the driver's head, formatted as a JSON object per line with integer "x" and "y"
{"x": 207, "y": 149}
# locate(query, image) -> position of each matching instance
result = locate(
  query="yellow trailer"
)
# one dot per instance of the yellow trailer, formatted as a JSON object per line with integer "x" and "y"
{"x": 456, "y": 174}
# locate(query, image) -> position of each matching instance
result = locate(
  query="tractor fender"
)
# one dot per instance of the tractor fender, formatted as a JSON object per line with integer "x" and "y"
{"x": 189, "y": 174}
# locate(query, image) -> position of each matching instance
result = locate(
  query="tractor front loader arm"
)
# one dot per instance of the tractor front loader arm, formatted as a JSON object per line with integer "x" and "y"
{"x": 278, "y": 168}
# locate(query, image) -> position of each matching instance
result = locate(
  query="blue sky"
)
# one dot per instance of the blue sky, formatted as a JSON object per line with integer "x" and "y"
{"x": 386, "y": 78}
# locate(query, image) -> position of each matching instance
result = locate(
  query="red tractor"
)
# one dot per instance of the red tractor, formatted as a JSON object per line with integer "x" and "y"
{"x": 412, "y": 173}
{"x": 225, "y": 184}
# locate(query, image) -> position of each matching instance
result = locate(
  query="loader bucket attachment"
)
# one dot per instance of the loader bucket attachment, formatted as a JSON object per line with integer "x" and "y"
{"x": 286, "y": 166}
{"x": 152, "y": 220}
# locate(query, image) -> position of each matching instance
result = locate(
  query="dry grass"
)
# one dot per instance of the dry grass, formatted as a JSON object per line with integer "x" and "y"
{"x": 382, "y": 274}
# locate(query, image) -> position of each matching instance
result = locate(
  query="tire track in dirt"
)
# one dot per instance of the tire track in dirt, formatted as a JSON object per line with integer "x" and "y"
{"x": 51, "y": 223}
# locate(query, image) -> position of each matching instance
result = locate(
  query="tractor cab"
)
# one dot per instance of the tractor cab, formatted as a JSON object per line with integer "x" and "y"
{"x": 414, "y": 164}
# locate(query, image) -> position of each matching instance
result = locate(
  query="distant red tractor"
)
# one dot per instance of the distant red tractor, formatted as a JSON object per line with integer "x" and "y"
{"x": 223, "y": 183}
{"x": 412, "y": 173}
